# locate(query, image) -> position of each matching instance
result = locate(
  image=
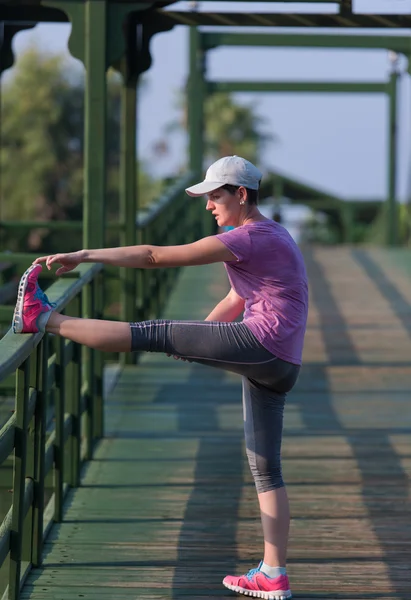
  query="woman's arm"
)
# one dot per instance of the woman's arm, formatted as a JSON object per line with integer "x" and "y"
{"x": 228, "y": 309}
{"x": 206, "y": 251}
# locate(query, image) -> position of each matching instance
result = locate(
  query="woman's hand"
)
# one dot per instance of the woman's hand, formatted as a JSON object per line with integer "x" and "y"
{"x": 68, "y": 261}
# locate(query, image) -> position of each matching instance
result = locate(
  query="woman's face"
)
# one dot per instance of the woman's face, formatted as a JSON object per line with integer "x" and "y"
{"x": 226, "y": 207}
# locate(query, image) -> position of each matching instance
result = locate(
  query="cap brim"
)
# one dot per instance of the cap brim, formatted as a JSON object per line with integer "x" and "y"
{"x": 205, "y": 187}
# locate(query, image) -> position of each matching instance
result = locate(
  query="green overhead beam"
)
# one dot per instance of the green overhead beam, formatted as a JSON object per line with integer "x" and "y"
{"x": 292, "y": 86}
{"x": 333, "y": 20}
{"x": 401, "y": 44}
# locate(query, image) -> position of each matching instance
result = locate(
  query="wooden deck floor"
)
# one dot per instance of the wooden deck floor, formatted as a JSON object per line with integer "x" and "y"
{"x": 167, "y": 507}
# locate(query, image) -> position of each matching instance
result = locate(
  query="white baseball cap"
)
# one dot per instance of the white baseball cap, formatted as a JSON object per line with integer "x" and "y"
{"x": 233, "y": 170}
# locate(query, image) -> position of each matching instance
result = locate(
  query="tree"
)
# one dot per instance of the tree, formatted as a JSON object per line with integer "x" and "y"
{"x": 41, "y": 150}
{"x": 230, "y": 128}
{"x": 233, "y": 128}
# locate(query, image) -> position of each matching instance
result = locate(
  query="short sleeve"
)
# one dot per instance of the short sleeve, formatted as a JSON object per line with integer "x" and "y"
{"x": 238, "y": 242}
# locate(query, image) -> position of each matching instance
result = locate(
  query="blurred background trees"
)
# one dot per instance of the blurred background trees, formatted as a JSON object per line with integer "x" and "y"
{"x": 41, "y": 149}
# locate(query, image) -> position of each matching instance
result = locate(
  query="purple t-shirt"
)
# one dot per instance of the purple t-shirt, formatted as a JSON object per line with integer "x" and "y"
{"x": 270, "y": 275}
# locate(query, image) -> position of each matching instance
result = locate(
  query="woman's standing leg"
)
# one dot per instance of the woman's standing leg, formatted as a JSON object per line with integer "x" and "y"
{"x": 263, "y": 423}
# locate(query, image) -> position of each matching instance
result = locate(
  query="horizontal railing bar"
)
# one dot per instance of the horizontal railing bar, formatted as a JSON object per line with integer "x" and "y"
{"x": 54, "y": 225}
{"x": 8, "y": 383}
{"x": 6, "y": 314}
{"x": 14, "y": 349}
{"x": 145, "y": 218}
{"x": 294, "y": 86}
{"x": 8, "y": 291}
{"x": 27, "y": 258}
{"x": 7, "y": 439}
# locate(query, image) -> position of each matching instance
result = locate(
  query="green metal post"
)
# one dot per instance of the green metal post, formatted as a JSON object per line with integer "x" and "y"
{"x": 95, "y": 123}
{"x": 392, "y": 208}
{"x": 98, "y": 363}
{"x": 60, "y": 409}
{"x": 128, "y": 201}
{"x": 347, "y": 220}
{"x": 196, "y": 95}
{"x": 95, "y": 61}
{"x": 39, "y": 453}
{"x": 195, "y": 103}
{"x": 20, "y": 460}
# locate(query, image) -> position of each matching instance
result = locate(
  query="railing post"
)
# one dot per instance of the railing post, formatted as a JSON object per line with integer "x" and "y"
{"x": 196, "y": 95}
{"x": 39, "y": 451}
{"x": 98, "y": 368}
{"x": 128, "y": 201}
{"x": 392, "y": 208}
{"x": 73, "y": 397}
{"x": 59, "y": 407}
{"x": 19, "y": 479}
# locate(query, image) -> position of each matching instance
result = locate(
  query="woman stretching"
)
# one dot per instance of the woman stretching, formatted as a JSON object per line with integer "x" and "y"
{"x": 268, "y": 284}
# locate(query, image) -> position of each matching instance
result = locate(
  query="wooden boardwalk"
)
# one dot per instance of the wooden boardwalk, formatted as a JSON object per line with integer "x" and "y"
{"x": 167, "y": 507}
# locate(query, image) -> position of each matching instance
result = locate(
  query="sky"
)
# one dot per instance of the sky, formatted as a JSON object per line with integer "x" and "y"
{"x": 337, "y": 142}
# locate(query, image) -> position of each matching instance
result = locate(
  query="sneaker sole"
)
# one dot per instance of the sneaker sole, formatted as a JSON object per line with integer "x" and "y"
{"x": 277, "y": 595}
{"x": 17, "y": 323}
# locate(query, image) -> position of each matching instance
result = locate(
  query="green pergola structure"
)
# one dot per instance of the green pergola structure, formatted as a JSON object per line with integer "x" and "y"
{"x": 202, "y": 42}
{"x": 117, "y": 33}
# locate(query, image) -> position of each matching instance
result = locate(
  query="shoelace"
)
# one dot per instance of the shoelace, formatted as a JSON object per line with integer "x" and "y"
{"x": 252, "y": 572}
{"x": 41, "y": 295}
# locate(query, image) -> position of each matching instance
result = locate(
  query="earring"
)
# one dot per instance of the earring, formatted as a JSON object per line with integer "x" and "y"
{"x": 242, "y": 202}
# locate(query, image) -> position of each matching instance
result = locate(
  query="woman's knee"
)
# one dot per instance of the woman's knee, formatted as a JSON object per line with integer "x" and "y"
{"x": 266, "y": 472}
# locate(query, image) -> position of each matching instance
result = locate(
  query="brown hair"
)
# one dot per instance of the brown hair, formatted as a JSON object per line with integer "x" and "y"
{"x": 252, "y": 195}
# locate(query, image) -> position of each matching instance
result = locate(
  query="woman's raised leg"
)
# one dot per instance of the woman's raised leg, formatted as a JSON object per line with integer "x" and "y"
{"x": 108, "y": 336}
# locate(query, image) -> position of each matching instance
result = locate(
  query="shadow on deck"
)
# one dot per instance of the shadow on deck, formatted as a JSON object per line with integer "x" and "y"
{"x": 168, "y": 507}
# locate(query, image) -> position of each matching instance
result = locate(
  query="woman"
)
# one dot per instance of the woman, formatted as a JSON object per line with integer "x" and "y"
{"x": 268, "y": 283}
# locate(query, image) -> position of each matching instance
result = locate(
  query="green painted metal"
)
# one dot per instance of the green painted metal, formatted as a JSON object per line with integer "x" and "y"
{"x": 401, "y": 44}
{"x": 128, "y": 199}
{"x": 95, "y": 124}
{"x": 60, "y": 408}
{"x": 195, "y": 102}
{"x": 294, "y": 86}
{"x": 392, "y": 212}
{"x": 40, "y": 390}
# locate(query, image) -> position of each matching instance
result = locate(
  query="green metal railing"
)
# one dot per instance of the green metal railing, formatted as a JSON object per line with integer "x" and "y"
{"x": 54, "y": 426}
{"x": 58, "y": 390}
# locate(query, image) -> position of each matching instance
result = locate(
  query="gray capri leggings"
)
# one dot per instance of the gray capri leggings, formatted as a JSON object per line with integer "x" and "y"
{"x": 266, "y": 380}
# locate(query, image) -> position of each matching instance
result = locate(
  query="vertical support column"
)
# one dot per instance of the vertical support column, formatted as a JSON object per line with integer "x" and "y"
{"x": 196, "y": 95}
{"x": 95, "y": 149}
{"x": 392, "y": 208}
{"x": 347, "y": 220}
{"x": 95, "y": 50}
{"x": 128, "y": 200}
{"x": 195, "y": 103}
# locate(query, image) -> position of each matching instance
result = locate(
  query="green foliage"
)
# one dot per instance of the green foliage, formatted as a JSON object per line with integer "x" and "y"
{"x": 233, "y": 128}
{"x": 41, "y": 152}
{"x": 230, "y": 128}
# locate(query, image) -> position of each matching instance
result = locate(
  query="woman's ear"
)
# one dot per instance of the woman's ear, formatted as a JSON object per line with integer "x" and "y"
{"x": 242, "y": 192}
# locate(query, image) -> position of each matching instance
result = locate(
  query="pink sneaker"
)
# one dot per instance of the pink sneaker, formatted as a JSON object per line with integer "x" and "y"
{"x": 31, "y": 302}
{"x": 257, "y": 584}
